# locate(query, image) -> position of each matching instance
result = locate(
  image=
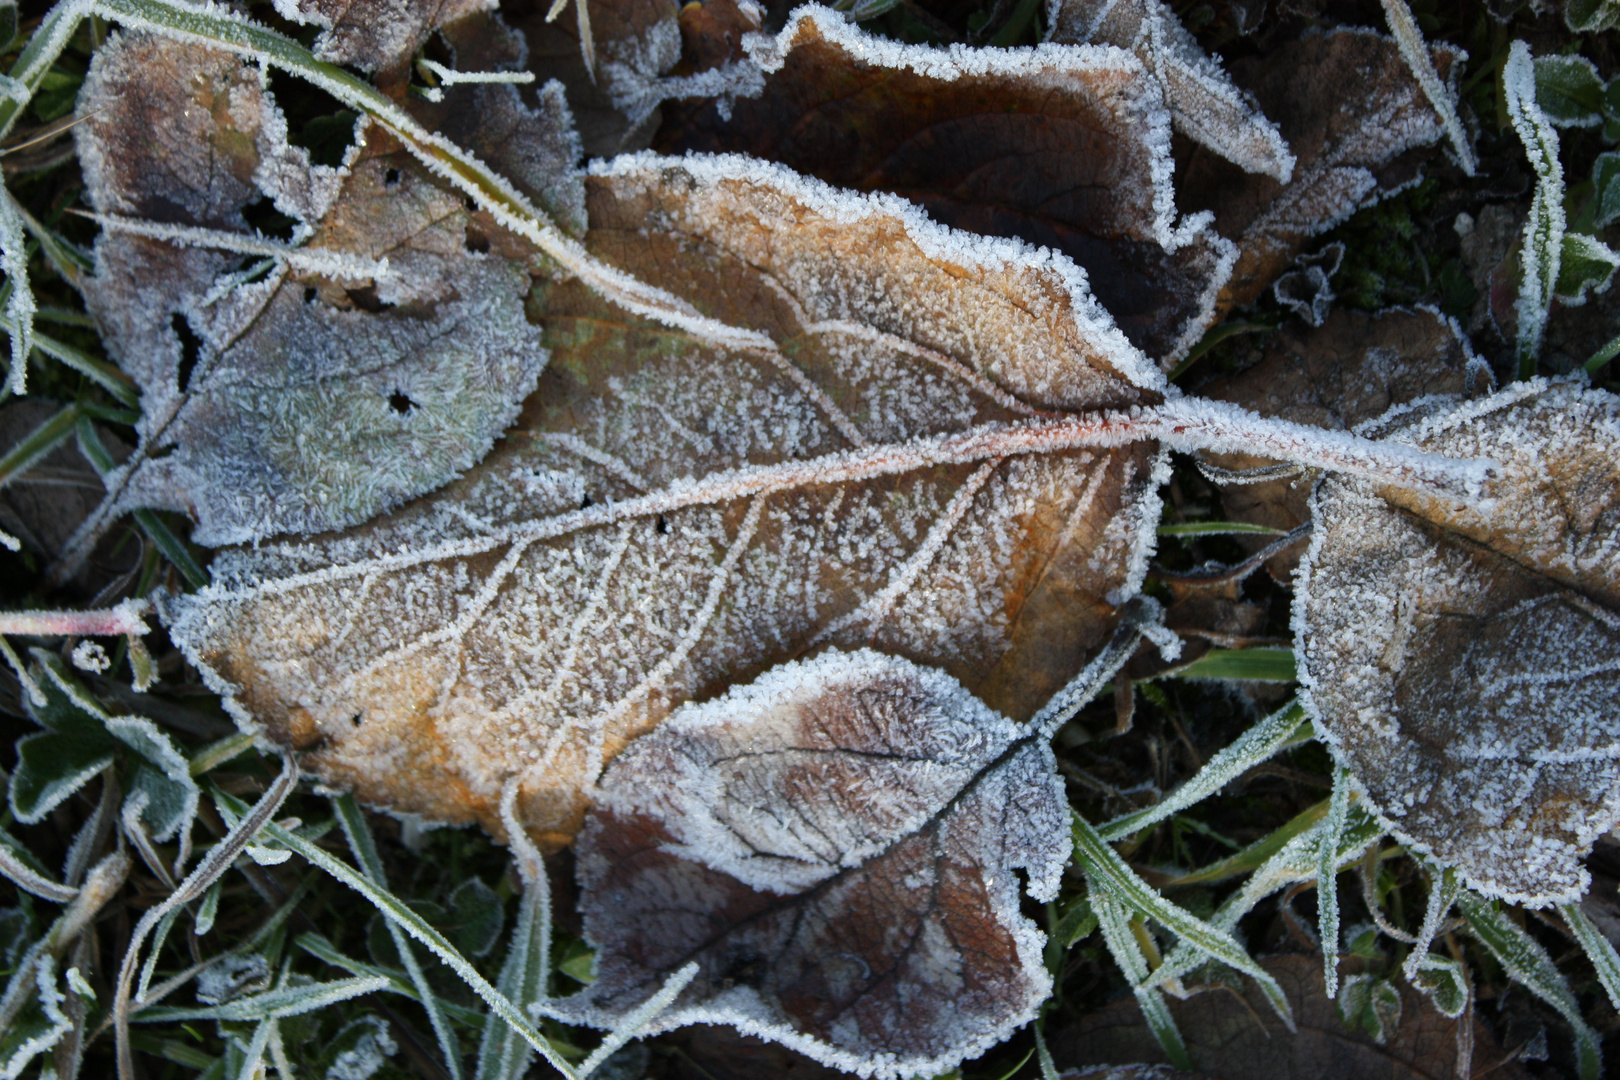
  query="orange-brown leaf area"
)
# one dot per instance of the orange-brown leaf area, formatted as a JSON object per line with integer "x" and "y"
{"x": 669, "y": 516}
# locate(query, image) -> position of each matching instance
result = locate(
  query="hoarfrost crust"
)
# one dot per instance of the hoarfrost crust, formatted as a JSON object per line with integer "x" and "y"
{"x": 834, "y": 844}
{"x": 1206, "y": 107}
{"x": 1463, "y": 660}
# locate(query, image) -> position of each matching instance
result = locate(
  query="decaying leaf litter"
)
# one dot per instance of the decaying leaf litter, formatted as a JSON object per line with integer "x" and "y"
{"x": 885, "y": 455}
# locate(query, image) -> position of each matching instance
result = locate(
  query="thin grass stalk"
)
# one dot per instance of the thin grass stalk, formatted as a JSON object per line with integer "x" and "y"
{"x": 216, "y": 862}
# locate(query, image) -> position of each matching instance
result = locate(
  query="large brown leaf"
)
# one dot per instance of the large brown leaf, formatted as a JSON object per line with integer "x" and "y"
{"x": 310, "y": 390}
{"x": 1062, "y": 146}
{"x": 895, "y": 466}
{"x": 834, "y": 845}
{"x": 1463, "y": 659}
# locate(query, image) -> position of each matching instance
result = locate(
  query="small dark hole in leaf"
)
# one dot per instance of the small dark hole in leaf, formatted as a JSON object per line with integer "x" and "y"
{"x": 586, "y": 503}
{"x": 264, "y": 218}
{"x": 391, "y": 178}
{"x": 162, "y": 452}
{"x": 355, "y": 719}
{"x": 190, "y": 349}
{"x": 310, "y": 293}
{"x": 747, "y": 970}
{"x": 477, "y": 243}
{"x": 366, "y": 299}
{"x": 663, "y": 526}
{"x": 401, "y": 403}
{"x": 472, "y": 204}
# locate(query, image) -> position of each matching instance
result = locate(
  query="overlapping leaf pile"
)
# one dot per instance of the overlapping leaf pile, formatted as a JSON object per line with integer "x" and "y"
{"x": 748, "y": 504}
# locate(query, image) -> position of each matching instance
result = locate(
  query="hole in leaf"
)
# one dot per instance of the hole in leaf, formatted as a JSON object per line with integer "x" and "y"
{"x": 310, "y": 292}
{"x": 263, "y": 217}
{"x": 356, "y": 718}
{"x": 366, "y": 299}
{"x": 471, "y": 204}
{"x": 663, "y": 526}
{"x": 401, "y": 403}
{"x": 587, "y": 502}
{"x": 190, "y": 349}
{"x": 391, "y": 178}
{"x": 476, "y": 242}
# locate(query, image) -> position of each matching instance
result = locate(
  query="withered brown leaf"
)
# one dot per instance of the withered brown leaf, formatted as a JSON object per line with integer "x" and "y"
{"x": 1463, "y": 659}
{"x": 1206, "y": 107}
{"x": 1356, "y": 120}
{"x": 313, "y": 388}
{"x": 834, "y": 845}
{"x": 898, "y": 466}
{"x": 1352, "y": 369}
{"x": 1063, "y": 146}
{"x": 1236, "y": 1035}
{"x": 376, "y": 35}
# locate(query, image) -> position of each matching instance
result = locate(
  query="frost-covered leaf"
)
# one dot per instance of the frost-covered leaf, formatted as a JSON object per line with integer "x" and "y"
{"x": 1590, "y": 16}
{"x": 1063, "y": 146}
{"x": 1542, "y": 243}
{"x": 1354, "y": 368}
{"x": 635, "y": 42}
{"x": 1569, "y": 90}
{"x": 1307, "y": 290}
{"x": 1352, "y": 113}
{"x": 1463, "y": 659}
{"x": 842, "y": 836}
{"x": 1586, "y": 264}
{"x": 1372, "y": 1004}
{"x": 306, "y": 391}
{"x": 672, "y": 514}
{"x": 1205, "y": 105}
{"x": 80, "y": 740}
{"x": 375, "y": 35}
{"x": 1606, "y": 185}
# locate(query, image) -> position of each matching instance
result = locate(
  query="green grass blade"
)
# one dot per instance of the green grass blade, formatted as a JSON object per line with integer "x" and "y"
{"x": 322, "y": 949}
{"x": 1249, "y": 749}
{"x": 37, "y": 443}
{"x": 272, "y": 1004}
{"x": 1327, "y": 878}
{"x": 1597, "y": 947}
{"x": 1240, "y": 665}
{"x": 527, "y": 967}
{"x": 49, "y": 39}
{"x": 1218, "y": 528}
{"x": 364, "y": 848}
{"x": 1527, "y": 963}
{"x": 393, "y": 909}
{"x": 103, "y": 374}
{"x": 1115, "y": 923}
{"x": 1256, "y": 854}
{"x": 1109, "y": 877}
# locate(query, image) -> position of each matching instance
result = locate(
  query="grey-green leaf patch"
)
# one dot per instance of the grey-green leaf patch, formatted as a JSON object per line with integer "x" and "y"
{"x": 367, "y": 353}
{"x": 1569, "y": 90}
{"x": 1586, "y": 264}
